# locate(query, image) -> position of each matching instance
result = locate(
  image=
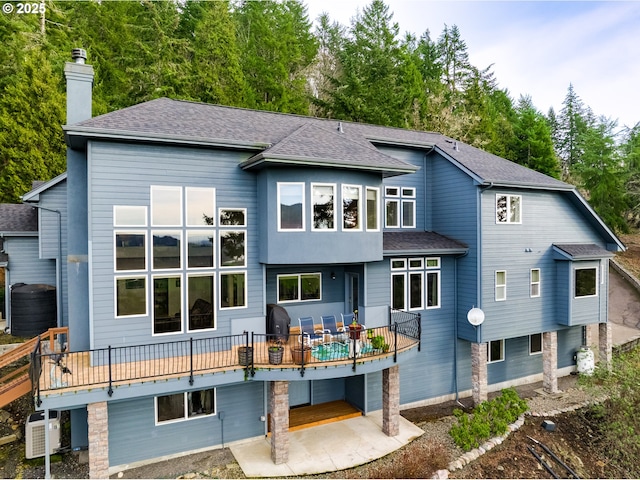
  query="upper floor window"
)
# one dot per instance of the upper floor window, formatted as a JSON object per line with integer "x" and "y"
{"x": 129, "y": 216}
{"x": 200, "y": 206}
{"x": 372, "y": 209}
{"x": 400, "y": 206}
{"x": 166, "y": 206}
{"x": 233, "y": 217}
{"x": 586, "y": 282}
{"x": 508, "y": 209}
{"x": 501, "y": 285}
{"x": 351, "y": 207}
{"x": 535, "y": 282}
{"x": 323, "y": 199}
{"x": 291, "y": 206}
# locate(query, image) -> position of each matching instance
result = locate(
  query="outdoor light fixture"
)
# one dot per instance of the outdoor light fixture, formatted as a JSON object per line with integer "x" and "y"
{"x": 333, "y": 275}
{"x": 475, "y": 316}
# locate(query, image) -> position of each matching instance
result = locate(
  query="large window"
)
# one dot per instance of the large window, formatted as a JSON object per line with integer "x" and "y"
{"x": 400, "y": 207}
{"x": 323, "y": 200}
{"x": 299, "y": 287}
{"x": 586, "y": 282}
{"x": 291, "y": 206}
{"x": 415, "y": 283}
{"x": 182, "y": 273}
{"x": 501, "y": 285}
{"x": 508, "y": 209}
{"x": 185, "y": 405}
{"x": 351, "y": 206}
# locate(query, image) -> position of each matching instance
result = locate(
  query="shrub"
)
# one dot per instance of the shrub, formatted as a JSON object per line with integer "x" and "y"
{"x": 489, "y": 419}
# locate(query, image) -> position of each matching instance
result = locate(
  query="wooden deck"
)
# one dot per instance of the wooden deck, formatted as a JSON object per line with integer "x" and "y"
{"x": 313, "y": 415}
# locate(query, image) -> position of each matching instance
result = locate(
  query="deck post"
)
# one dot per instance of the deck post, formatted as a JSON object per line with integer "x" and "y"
{"x": 279, "y": 421}
{"x": 550, "y": 362}
{"x": 391, "y": 401}
{"x": 479, "y": 372}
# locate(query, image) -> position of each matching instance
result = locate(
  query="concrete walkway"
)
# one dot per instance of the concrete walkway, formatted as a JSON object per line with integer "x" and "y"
{"x": 325, "y": 448}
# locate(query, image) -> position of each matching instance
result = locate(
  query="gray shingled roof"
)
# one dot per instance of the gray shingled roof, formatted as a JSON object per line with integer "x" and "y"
{"x": 420, "y": 242}
{"x": 578, "y": 251}
{"x": 164, "y": 119}
{"x": 18, "y": 217}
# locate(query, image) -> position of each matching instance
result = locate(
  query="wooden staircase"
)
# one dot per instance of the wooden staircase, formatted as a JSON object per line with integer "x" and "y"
{"x": 17, "y": 382}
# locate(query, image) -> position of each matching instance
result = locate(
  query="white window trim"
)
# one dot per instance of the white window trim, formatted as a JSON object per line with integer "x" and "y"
{"x": 121, "y": 208}
{"x": 299, "y": 275}
{"x": 186, "y": 417}
{"x": 153, "y": 190}
{"x": 213, "y": 206}
{"x": 508, "y": 216}
{"x": 243, "y": 210}
{"x": 146, "y": 249}
{"x": 501, "y": 351}
{"x": 498, "y": 285}
{"x": 541, "y": 345}
{"x": 181, "y": 250}
{"x": 246, "y": 259}
{"x": 304, "y": 207}
{"x": 167, "y": 274}
{"x": 428, "y": 272}
{"x": 361, "y": 220}
{"x": 412, "y": 202}
{"x": 377, "y": 190}
{"x": 422, "y": 289}
{"x": 335, "y": 204}
{"x": 405, "y": 298}
{"x": 144, "y": 277}
{"x": 387, "y": 201}
{"x": 246, "y": 287}
{"x": 406, "y": 270}
{"x": 213, "y": 300}
{"x": 214, "y": 236}
{"x": 596, "y": 282}
{"x": 532, "y": 283}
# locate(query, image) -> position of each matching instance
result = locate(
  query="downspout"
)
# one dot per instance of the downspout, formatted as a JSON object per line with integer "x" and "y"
{"x": 7, "y": 298}
{"x": 482, "y": 189}
{"x": 455, "y": 324}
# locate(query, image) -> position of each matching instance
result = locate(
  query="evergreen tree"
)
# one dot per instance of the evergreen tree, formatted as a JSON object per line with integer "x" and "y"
{"x": 533, "y": 146}
{"x": 571, "y": 127}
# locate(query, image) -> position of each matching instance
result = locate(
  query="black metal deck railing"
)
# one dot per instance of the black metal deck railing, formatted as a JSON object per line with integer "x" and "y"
{"x": 111, "y": 366}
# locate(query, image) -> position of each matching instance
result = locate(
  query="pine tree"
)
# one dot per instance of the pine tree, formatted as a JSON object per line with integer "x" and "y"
{"x": 571, "y": 127}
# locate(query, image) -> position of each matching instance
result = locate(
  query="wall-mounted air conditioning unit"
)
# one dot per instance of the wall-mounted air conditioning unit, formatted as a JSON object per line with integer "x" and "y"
{"x": 34, "y": 434}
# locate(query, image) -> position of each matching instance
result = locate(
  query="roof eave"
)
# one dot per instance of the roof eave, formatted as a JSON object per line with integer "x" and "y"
{"x": 425, "y": 251}
{"x": 260, "y": 160}
{"x": 76, "y": 136}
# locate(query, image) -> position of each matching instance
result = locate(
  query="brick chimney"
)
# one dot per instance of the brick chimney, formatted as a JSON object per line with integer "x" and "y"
{"x": 79, "y": 84}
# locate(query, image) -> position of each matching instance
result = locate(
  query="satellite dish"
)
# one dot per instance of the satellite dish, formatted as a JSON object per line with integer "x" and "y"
{"x": 475, "y": 316}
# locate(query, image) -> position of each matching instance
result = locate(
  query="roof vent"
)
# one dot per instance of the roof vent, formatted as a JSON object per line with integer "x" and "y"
{"x": 79, "y": 55}
{"x": 340, "y": 127}
{"x": 455, "y": 146}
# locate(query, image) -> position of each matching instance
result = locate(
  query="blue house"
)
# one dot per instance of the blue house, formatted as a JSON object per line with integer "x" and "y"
{"x": 186, "y": 224}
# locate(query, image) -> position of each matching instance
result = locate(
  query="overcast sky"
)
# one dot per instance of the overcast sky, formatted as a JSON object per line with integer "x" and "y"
{"x": 536, "y": 48}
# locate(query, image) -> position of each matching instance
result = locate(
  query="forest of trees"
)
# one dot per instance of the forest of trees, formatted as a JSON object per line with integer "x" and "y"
{"x": 268, "y": 55}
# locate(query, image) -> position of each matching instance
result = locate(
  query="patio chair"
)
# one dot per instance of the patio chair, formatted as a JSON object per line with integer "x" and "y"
{"x": 309, "y": 333}
{"x": 330, "y": 325}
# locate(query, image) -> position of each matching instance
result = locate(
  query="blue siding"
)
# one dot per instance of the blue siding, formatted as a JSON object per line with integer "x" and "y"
{"x": 569, "y": 342}
{"x": 24, "y": 264}
{"x": 327, "y": 390}
{"x": 131, "y": 170}
{"x": 133, "y": 435}
{"x": 309, "y": 247}
{"x": 517, "y": 362}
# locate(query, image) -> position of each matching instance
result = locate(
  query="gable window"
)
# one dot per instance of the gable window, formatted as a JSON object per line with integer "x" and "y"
{"x": 323, "y": 200}
{"x": 166, "y": 206}
{"x": 200, "y": 253}
{"x": 130, "y": 251}
{"x": 291, "y": 206}
{"x": 495, "y": 351}
{"x": 166, "y": 249}
{"x": 535, "y": 282}
{"x": 535, "y": 344}
{"x": 586, "y": 282}
{"x": 233, "y": 217}
{"x": 300, "y": 287}
{"x": 351, "y": 207}
{"x": 185, "y": 405}
{"x": 501, "y": 285}
{"x": 232, "y": 248}
{"x": 414, "y": 282}
{"x": 372, "y": 209}
{"x": 400, "y": 207}
{"x": 508, "y": 208}
{"x": 129, "y": 216}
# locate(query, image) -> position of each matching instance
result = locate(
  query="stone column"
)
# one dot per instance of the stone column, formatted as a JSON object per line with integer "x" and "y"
{"x": 98, "y": 420}
{"x": 605, "y": 344}
{"x": 479, "y": 372}
{"x": 391, "y": 401}
{"x": 279, "y": 423}
{"x": 550, "y": 362}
